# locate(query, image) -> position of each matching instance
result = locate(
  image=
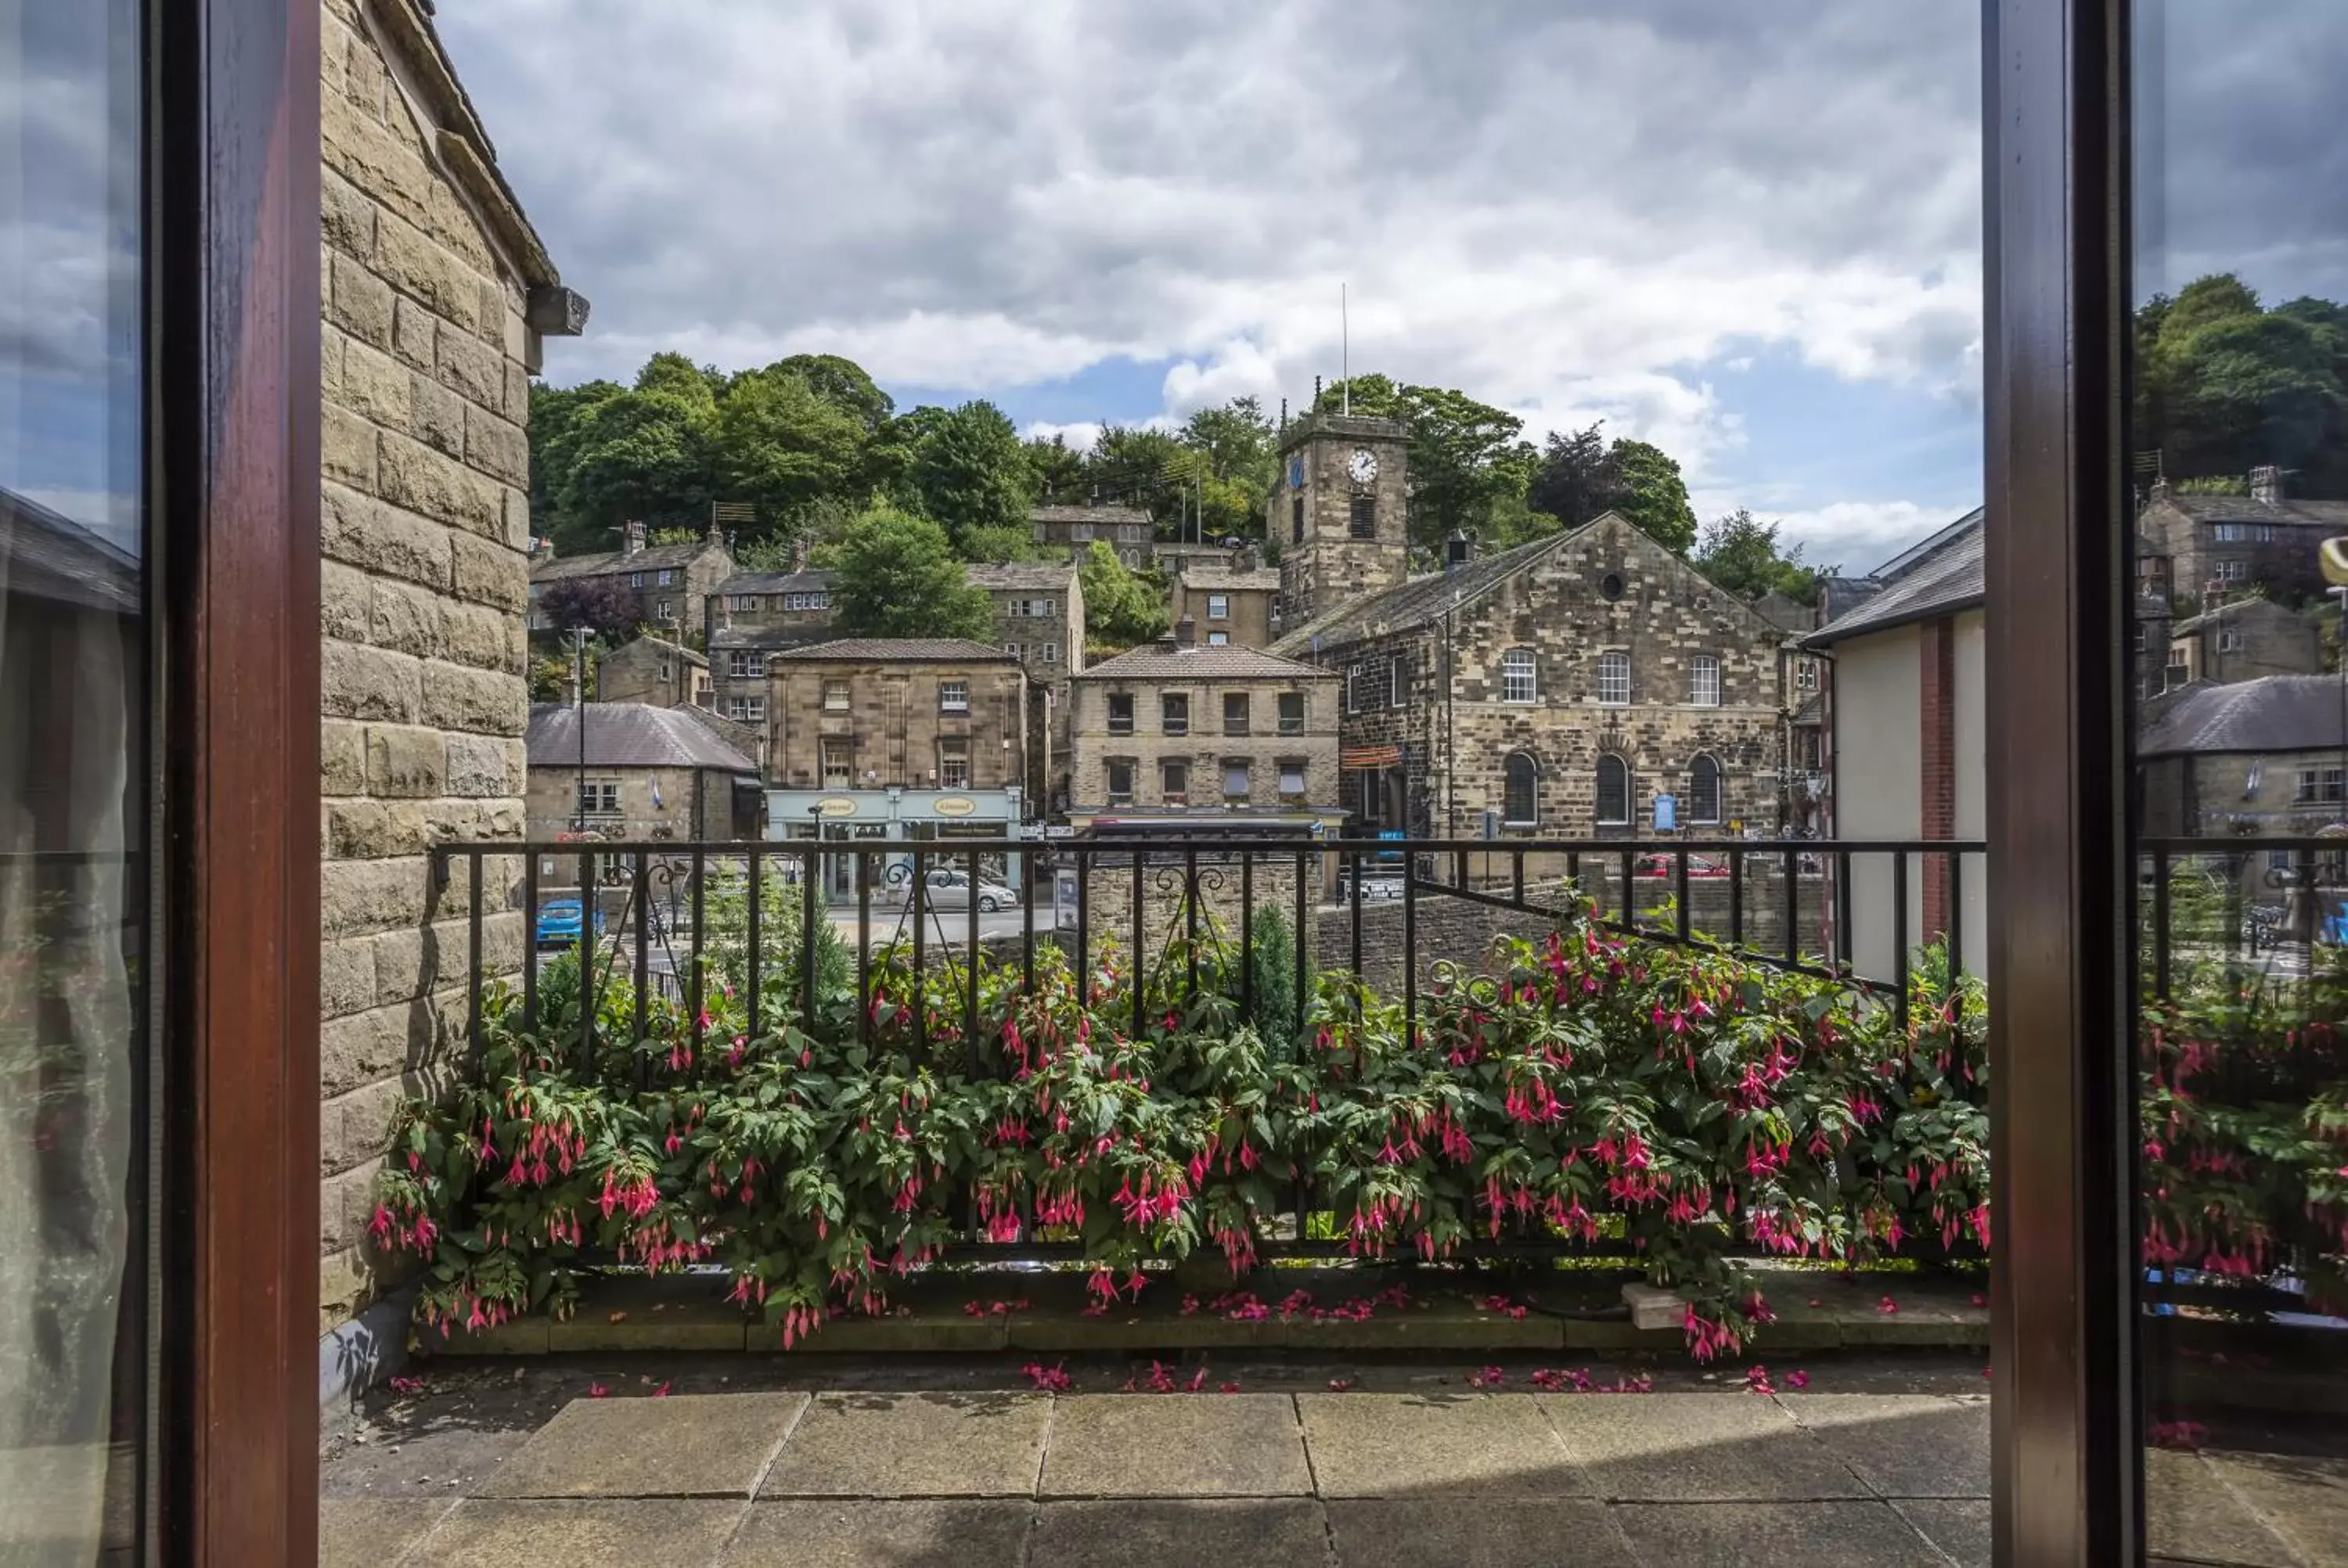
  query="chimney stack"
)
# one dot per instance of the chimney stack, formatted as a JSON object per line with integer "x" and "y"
{"x": 799, "y": 552}
{"x": 1455, "y": 551}
{"x": 542, "y": 549}
{"x": 2266, "y": 484}
{"x": 632, "y": 536}
{"x": 1186, "y": 633}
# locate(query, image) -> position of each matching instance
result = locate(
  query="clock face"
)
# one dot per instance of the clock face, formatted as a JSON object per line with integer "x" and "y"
{"x": 1296, "y": 473}
{"x": 1363, "y": 465}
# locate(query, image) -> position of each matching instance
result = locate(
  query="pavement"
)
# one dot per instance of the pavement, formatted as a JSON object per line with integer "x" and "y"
{"x": 725, "y": 1462}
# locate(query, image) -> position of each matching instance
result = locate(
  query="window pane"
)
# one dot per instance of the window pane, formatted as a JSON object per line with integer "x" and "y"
{"x": 74, "y": 813}
{"x": 1614, "y": 791}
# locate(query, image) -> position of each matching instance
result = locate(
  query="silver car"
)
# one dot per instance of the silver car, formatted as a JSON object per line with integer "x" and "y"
{"x": 951, "y": 889}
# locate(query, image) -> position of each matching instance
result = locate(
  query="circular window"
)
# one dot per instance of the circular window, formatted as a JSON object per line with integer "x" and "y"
{"x": 1611, "y": 586}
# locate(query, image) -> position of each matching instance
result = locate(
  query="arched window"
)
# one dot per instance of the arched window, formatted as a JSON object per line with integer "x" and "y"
{"x": 1613, "y": 792}
{"x": 1703, "y": 790}
{"x": 1519, "y": 680}
{"x": 1521, "y": 803}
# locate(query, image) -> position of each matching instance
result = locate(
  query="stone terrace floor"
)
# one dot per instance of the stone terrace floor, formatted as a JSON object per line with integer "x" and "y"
{"x": 827, "y": 1462}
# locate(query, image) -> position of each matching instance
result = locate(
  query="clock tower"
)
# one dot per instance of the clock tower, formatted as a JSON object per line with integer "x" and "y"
{"x": 1338, "y": 509}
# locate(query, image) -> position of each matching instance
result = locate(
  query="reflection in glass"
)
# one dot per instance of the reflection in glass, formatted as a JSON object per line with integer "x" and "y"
{"x": 2238, "y": 447}
{"x": 73, "y": 744}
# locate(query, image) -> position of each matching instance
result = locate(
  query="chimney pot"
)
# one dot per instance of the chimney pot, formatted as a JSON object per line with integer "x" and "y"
{"x": 1186, "y": 633}
{"x": 2266, "y": 484}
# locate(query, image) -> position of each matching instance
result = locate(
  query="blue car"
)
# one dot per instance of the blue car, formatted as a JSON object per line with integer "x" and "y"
{"x": 559, "y": 920}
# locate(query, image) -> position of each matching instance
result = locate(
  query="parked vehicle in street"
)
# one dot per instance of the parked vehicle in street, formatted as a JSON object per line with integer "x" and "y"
{"x": 952, "y": 890}
{"x": 559, "y": 922}
{"x": 1699, "y": 867}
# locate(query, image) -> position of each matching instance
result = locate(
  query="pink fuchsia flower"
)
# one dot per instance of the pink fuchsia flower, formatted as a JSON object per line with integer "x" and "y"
{"x": 596, "y": 1390}
{"x": 1797, "y": 1379}
{"x": 406, "y": 1385}
{"x": 1228, "y": 1389}
{"x": 1339, "y": 1384}
{"x": 2179, "y": 1434}
{"x": 1887, "y": 1306}
{"x": 1489, "y": 1377}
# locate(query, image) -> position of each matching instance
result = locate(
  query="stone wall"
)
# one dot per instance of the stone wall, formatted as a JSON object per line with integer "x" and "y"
{"x": 1463, "y": 932}
{"x": 892, "y": 722}
{"x": 1205, "y": 745}
{"x": 426, "y": 522}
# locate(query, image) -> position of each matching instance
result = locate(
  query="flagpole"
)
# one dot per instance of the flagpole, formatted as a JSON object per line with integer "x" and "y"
{"x": 1345, "y": 351}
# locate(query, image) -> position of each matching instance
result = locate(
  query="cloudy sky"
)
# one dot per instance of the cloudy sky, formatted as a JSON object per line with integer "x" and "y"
{"x": 1749, "y": 232}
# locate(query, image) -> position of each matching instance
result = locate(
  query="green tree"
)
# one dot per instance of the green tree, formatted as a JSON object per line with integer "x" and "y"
{"x": 972, "y": 475}
{"x": 1575, "y": 478}
{"x": 1654, "y": 498}
{"x": 2226, "y": 385}
{"x": 1121, "y": 609}
{"x": 1467, "y": 458}
{"x": 1138, "y": 466}
{"x": 605, "y": 606}
{"x": 843, "y": 383}
{"x": 679, "y": 376}
{"x": 782, "y": 446}
{"x": 557, "y": 416}
{"x": 1055, "y": 471}
{"x": 896, "y": 575}
{"x": 1739, "y": 553}
{"x": 640, "y": 455}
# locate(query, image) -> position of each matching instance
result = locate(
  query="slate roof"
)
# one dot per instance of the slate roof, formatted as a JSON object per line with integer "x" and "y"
{"x": 2272, "y": 713}
{"x": 777, "y": 582}
{"x": 2233, "y": 611}
{"x": 997, "y": 576}
{"x": 628, "y": 735}
{"x": 608, "y": 563}
{"x": 906, "y": 649}
{"x": 1209, "y": 580}
{"x": 1230, "y": 661}
{"x": 1414, "y": 603}
{"x": 2333, "y": 515}
{"x": 1088, "y": 515}
{"x": 1947, "y": 579}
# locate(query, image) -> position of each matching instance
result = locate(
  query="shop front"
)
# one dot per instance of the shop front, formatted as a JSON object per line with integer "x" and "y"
{"x": 862, "y": 821}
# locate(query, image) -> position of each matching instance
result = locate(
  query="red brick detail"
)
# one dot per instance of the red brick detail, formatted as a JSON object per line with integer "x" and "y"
{"x": 1937, "y": 809}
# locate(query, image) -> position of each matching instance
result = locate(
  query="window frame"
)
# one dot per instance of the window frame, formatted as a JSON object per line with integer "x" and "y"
{"x": 1169, "y": 769}
{"x": 1243, "y": 768}
{"x": 1287, "y": 726}
{"x": 954, "y": 697}
{"x": 835, "y": 686}
{"x": 1696, "y": 769}
{"x": 1509, "y": 783}
{"x": 1700, "y": 666}
{"x": 1302, "y": 768}
{"x": 1246, "y": 704}
{"x": 954, "y": 751}
{"x": 1613, "y": 661}
{"x": 1113, "y": 722}
{"x": 1219, "y": 607}
{"x": 1520, "y": 676}
{"x": 1173, "y": 713}
{"x": 1110, "y": 768}
{"x": 1614, "y": 761}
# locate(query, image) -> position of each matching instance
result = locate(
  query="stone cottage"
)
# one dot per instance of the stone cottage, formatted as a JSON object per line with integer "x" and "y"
{"x": 2222, "y": 544}
{"x": 436, "y": 295}
{"x": 672, "y": 582}
{"x": 2242, "y": 641}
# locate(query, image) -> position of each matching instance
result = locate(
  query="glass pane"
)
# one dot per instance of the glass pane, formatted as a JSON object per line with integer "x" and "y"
{"x": 73, "y": 805}
{"x": 2238, "y": 449}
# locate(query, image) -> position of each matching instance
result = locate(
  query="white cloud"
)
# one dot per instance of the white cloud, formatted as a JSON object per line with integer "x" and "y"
{"x": 1858, "y": 535}
{"x": 1079, "y": 435}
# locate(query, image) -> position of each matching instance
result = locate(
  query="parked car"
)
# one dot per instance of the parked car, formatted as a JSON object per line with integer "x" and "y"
{"x": 1698, "y": 867}
{"x": 559, "y": 923}
{"x": 951, "y": 889}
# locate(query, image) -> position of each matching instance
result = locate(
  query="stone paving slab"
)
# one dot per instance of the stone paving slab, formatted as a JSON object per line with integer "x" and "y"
{"x": 914, "y": 1445}
{"x": 371, "y": 1531}
{"x": 1495, "y": 1532}
{"x": 1904, "y": 1445}
{"x": 1958, "y": 1526}
{"x": 868, "y": 1535}
{"x": 1690, "y": 1448}
{"x": 1176, "y": 1445}
{"x": 1402, "y": 1445}
{"x": 599, "y": 1532}
{"x": 1773, "y": 1536}
{"x": 692, "y": 1445}
{"x": 2190, "y": 1513}
{"x": 2304, "y": 1500}
{"x": 1287, "y": 1533}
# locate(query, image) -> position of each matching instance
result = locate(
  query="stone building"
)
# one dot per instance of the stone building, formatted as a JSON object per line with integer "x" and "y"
{"x": 646, "y": 772}
{"x": 1230, "y": 598}
{"x": 2243, "y": 640}
{"x": 437, "y": 294}
{"x": 1127, "y": 530}
{"x": 2225, "y": 544}
{"x": 1170, "y": 733}
{"x": 672, "y": 582}
{"x": 1039, "y": 617}
{"x": 1557, "y": 689}
{"x": 649, "y": 670}
{"x": 2258, "y": 758}
{"x": 889, "y": 738}
{"x": 1342, "y": 502}
{"x": 752, "y": 615}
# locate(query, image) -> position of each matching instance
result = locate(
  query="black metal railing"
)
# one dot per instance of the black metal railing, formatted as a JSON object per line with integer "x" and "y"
{"x": 1359, "y": 905}
{"x": 2268, "y": 903}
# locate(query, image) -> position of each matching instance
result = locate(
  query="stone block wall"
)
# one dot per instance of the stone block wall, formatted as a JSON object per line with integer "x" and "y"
{"x": 426, "y": 523}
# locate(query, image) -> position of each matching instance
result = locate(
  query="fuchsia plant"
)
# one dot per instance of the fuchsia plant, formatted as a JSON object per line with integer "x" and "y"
{"x": 1592, "y": 1087}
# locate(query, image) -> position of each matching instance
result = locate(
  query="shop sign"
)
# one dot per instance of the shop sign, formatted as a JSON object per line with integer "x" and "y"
{"x": 835, "y": 805}
{"x": 955, "y": 805}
